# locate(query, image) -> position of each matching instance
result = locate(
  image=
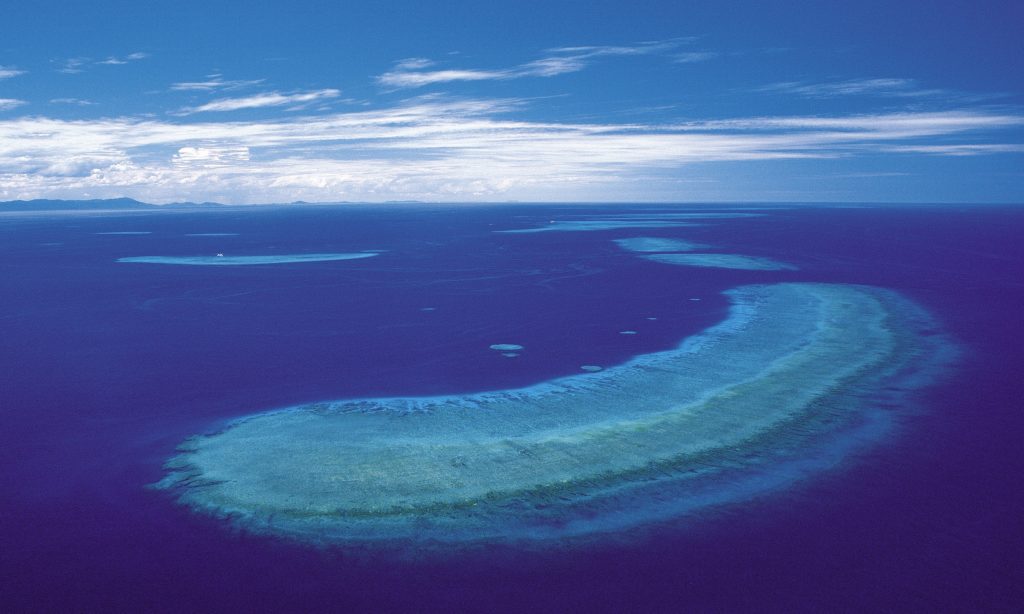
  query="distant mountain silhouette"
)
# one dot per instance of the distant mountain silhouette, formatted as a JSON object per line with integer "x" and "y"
{"x": 43, "y": 204}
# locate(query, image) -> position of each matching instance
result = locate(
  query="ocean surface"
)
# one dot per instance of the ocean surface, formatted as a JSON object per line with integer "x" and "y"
{"x": 106, "y": 366}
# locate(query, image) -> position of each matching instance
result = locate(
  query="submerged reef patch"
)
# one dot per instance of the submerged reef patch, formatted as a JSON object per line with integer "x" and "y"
{"x": 591, "y": 225}
{"x": 723, "y": 261}
{"x": 629, "y": 220}
{"x": 658, "y": 244}
{"x": 695, "y": 215}
{"x": 221, "y": 260}
{"x": 781, "y": 389}
{"x": 655, "y": 248}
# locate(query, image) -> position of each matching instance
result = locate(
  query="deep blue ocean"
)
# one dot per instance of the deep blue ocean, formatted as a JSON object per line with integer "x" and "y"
{"x": 106, "y": 366}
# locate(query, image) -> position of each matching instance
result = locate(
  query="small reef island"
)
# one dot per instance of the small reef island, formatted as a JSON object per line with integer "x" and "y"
{"x": 793, "y": 379}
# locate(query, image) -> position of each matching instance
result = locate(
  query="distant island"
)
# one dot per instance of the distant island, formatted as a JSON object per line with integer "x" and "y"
{"x": 117, "y": 204}
{"x": 130, "y": 204}
{"x": 72, "y": 205}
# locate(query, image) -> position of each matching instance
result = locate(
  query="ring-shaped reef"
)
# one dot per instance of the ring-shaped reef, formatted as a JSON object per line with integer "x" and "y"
{"x": 794, "y": 379}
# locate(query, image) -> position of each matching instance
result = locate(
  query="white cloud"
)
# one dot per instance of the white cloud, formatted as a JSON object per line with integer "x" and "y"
{"x": 10, "y": 103}
{"x": 410, "y": 73}
{"x": 6, "y": 72}
{"x": 76, "y": 166}
{"x": 74, "y": 66}
{"x": 962, "y": 149}
{"x": 210, "y": 156}
{"x": 131, "y": 57}
{"x": 214, "y": 82}
{"x": 869, "y": 175}
{"x": 414, "y": 64}
{"x": 75, "y": 101}
{"x": 891, "y": 87}
{"x": 643, "y": 48}
{"x": 692, "y": 57}
{"x": 550, "y": 67}
{"x": 440, "y": 149}
{"x": 267, "y": 99}
{"x": 404, "y": 78}
{"x": 887, "y": 125}
{"x": 545, "y": 67}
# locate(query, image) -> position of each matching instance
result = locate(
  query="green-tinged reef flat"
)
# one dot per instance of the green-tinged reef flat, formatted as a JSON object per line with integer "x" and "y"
{"x": 219, "y": 260}
{"x": 787, "y": 386}
{"x": 657, "y": 244}
{"x": 723, "y": 261}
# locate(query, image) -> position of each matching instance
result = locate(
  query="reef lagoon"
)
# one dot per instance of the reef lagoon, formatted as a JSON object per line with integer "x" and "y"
{"x": 513, "y": 407}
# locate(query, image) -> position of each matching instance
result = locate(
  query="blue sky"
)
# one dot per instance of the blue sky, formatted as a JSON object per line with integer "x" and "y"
{"x": 253, "y": 102}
